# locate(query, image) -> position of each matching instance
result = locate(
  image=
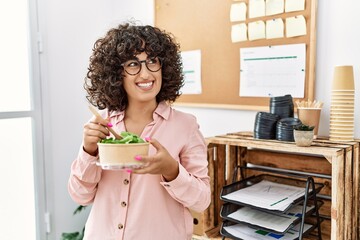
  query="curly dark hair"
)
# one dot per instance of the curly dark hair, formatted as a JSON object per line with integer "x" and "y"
{"x": 105, "y": 76}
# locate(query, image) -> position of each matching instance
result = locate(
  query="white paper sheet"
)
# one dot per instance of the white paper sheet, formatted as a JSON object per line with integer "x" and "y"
{"x": 256, "y": 30}
{"x": 263, "y": 219}
{"x": 256, "y": 8}
{"x": 274, "y": 28}
{"x": 238, "y": 12}
{"x": 244, "y": 231}
{"x": 238, "y": 32}
{"x": 192, "y": 72}
{"x": 273, "y": 71}
{"x": 294, "y": 5}
{"x": 267, "y": 195}
{"x": 275, "y": 222}
{"x": 274, "y": 7}
{"x": 295, "y": 26}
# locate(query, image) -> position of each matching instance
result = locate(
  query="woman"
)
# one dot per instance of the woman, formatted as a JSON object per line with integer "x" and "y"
{"x": 134, "y": 73}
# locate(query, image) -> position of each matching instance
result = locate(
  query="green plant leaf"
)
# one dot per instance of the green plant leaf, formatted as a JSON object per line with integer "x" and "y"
{"x": 304, "y": 127}
{"x": 75, "y": 235}
{"x": 70, "y": 236}
{"x": 128, "y": 138}
{"x": 79, "y": 209}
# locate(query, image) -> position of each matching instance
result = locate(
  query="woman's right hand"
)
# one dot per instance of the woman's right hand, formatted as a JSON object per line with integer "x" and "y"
{"x": 93, "y": 132}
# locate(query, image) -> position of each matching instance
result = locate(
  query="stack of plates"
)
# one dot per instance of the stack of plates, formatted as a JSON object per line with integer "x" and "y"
{"x": 282, "y": 106}
{"x": 265, "y": 125}
{"x": 342, "y": 115}
{"x": 285, "y": 129}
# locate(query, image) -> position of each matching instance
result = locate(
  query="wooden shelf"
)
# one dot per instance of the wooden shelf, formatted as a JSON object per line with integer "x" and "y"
{"x": 335, "y": 164}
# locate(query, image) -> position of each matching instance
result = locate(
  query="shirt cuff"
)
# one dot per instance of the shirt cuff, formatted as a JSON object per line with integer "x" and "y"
{"x": 84, "y": 156}
{"x": 85, "y": 168}
{"x": 182, "y": 178}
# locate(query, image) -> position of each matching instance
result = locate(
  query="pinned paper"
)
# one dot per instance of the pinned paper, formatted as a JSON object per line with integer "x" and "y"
{"x": 256, "y": 30}
{"x": 274, "y": 28}
{"x": 192, "y": 72}
{"x": 256, "y": 8}
{"x": 239, "y": 32}
{"x": 238, "y": 12}
{"x": 294, "y": 5}
{"x": 295, "y": 26}
{"x": 266, "y": 70}
{"x": 274, "y": 7}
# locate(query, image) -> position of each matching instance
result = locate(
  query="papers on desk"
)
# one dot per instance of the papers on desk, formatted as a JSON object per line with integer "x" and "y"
{"x": 275, "y": 222}
{"x": 244, "y": 231}
{"x": 267, "y": 195}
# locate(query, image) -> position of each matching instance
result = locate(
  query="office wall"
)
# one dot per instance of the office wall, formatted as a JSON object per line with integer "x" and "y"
{"x": 337, "y": 44}
{"x": 69, "y": 29}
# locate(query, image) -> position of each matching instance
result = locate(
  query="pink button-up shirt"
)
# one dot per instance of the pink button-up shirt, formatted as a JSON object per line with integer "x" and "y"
{"x": 135, "y": 206}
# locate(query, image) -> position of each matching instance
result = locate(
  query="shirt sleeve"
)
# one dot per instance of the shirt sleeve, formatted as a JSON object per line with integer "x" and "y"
{"x": 192, "y": 185}
{"x": 84, "y": 177}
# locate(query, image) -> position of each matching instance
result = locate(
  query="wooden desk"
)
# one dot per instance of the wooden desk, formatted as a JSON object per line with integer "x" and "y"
{"x": 336, "y": 164}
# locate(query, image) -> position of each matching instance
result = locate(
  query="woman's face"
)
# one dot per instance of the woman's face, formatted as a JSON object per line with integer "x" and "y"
{"x": 145, "y": 85}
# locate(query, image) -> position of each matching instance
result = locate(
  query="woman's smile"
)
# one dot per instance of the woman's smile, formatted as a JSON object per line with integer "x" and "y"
{"x": 145, "y": 85}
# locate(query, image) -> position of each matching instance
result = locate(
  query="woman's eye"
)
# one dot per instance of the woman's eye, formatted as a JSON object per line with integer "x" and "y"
{"x": 133, "y": 64}
{"x": 152, "y": 60}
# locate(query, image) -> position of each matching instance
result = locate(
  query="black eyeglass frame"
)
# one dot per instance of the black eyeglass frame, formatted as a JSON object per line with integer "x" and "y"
{"x": 142, "y": 61}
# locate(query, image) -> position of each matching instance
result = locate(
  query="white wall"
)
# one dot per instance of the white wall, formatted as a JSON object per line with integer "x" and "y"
{"x": 69, "y": 29}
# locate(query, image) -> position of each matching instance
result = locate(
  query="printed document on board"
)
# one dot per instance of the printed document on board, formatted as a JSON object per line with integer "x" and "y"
{"x": 273, "y": 71}
{"x": 192, "y": 72}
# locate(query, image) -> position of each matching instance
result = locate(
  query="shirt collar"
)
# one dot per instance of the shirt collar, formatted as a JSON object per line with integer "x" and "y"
{"x": 163, "y": 110}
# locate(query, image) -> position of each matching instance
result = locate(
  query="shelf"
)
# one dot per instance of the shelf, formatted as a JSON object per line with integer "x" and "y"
{"x": 334, "y": 164}
{"x": 252, "y": 206}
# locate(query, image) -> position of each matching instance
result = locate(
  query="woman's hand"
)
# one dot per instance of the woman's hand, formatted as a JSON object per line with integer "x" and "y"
{"x": 160, "y": 163}
{"x": 93, "y": 132}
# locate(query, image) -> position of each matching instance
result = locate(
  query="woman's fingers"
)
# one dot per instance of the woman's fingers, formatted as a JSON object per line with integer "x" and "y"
{"x": 96, "y": 129}
{"x": 159, "y": 163}
{"x": 101, "y": 121}
{"x": 155, "y": 143}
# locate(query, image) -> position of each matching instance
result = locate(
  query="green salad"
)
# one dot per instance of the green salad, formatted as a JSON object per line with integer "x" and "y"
{"x": 127, "y": 138}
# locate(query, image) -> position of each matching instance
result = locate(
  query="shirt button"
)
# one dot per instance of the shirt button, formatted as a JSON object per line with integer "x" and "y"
{"x": 123, "y": 204}
{"x": 126, "y": 182}
{"x": 166, "y": 185}
{"x": 120, "y": 226}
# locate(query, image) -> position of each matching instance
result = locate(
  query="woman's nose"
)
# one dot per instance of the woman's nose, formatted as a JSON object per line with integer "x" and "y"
{"x": 144, "y": 72}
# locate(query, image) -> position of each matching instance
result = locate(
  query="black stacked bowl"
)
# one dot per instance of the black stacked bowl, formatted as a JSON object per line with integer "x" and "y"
{"x": 279, "y": 123}
{"x": 265, "y": 125}
{"x": 285, "y": 129}
{"x": 282, "y": 106}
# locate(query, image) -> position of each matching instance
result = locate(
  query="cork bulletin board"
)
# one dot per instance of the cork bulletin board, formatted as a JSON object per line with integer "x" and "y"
{"x": 206, "y": 25}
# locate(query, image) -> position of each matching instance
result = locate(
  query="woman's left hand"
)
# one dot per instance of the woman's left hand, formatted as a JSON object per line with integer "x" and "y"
{"x": 160, "y": 163}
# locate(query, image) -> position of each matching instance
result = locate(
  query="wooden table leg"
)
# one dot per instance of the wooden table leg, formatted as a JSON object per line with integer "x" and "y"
{"x": 337, "y": 197}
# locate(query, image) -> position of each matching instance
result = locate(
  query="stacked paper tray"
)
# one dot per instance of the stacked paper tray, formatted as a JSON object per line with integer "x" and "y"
{"x": 278, "y": 223}
{"x": 246, "y": 232}
{"x": 267, "y": 206}
{"x": 268, "y": 192}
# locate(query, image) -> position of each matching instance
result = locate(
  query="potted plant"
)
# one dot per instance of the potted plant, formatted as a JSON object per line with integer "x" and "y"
{"x": 303, "y": 135}
{"x": 75, "y": 235}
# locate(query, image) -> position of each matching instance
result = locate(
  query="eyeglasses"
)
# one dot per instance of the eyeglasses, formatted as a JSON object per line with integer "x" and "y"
{"x": 133, "y": 67}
